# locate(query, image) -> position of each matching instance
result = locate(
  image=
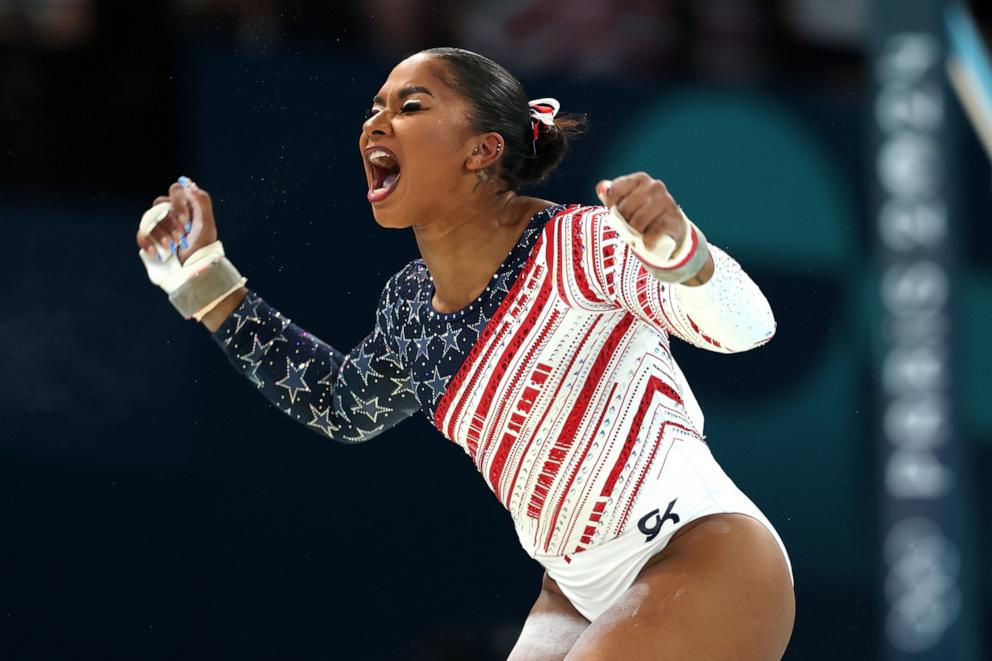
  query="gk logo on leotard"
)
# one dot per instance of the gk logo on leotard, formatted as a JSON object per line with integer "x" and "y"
{"x": 651, "y": 523}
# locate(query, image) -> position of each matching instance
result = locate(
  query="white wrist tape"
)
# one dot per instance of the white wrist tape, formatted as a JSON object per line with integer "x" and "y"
{"x": 667, "y": 262}
{"x": 197, "y": 286}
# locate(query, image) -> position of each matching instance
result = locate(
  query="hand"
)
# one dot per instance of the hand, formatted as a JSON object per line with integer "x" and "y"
{"x": 646, "y": 205}
{"x": 192, "y": 209}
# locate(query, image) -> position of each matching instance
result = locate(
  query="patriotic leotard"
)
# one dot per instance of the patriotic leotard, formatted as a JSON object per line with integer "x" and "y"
{"x": 557, "y": 381}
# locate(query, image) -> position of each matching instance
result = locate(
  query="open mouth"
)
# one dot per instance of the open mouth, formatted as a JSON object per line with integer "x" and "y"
{"x": 385, "y": 173}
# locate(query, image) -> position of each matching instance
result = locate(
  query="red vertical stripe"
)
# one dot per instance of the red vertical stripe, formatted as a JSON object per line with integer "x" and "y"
{"x": 568, "y": 368}
{"x": 503, "y": 450}
{"x": 590, "y": 439}
{"x": 580, "y": 275}
{"x": 567, "y": 436}
{"x": 503, "y": 363}
{"x": 472, "y": 360}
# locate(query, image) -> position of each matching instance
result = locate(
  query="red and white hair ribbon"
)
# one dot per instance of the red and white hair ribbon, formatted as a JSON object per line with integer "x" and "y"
{"x": 542, "y": 111}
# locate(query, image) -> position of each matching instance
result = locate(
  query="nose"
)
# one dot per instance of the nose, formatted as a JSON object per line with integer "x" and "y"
{"x": 378, "y": 124}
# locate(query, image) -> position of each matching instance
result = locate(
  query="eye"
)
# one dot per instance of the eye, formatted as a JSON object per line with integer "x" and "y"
{"x": 411, "y": 106}
{"x": 369, "y": 113}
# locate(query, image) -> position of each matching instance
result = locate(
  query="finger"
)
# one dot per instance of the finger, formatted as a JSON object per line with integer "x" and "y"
{"x": 200, "y": 202}
{"x": 602, "y": 191}
{"x": 646, "y": 216}
{"x": 164, "y": 239}
{"x": 178, "y": 232}
{"x": 145, "y": 242}
{"x": 635, "y": 201}
{"x": 171, "y": 232}
{"x": 620, "y": 187}
{"x": 181, "y": 211}
{"x": 204, "y": 229}
{"x": 180, "y": 221}
{"x": 145, "y": 237}
{"x": 637, "y": 208}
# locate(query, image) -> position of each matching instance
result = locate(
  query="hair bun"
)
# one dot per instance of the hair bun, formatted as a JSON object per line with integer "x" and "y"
{"x": 552, "y": 145}
{"x": 498, "y": 104}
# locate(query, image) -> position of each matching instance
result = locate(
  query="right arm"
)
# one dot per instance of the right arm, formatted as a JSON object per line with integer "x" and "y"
{"x": 347, "y": 397}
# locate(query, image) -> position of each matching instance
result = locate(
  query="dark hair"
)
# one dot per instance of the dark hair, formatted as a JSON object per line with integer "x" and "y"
{"x": 500, "y": 105}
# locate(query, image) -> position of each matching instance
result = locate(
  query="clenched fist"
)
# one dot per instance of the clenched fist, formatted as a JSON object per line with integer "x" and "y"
{"x": 649, "y": 209}
{"x": 646, "y": 205}
{"x": 188, "y": 227}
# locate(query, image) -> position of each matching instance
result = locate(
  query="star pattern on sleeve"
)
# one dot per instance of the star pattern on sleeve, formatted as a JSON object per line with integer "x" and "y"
{"x": 328, "y": 379}
{"x": 339, "y": 407}
{"x": 321, "y": 420}
{"x": 404, "y": 364}
{"x": 283, "y": 361}
{"x": 362, "y": 435}
{"x": 294, "y": 381}
{"x": 255, "y": 377}
{"x": 364, "y": 365}
{"x": 258, "y": 351}
{"x": 248, "y": 313}
{"x": 402, "y": 385}
{"x": 369, "y": 408}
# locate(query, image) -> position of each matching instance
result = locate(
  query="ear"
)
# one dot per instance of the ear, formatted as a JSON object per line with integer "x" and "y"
{"x": 487, "y": 148}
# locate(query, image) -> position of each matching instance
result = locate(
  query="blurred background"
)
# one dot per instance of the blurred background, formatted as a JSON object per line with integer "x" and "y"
{"x": 154, "y": 506}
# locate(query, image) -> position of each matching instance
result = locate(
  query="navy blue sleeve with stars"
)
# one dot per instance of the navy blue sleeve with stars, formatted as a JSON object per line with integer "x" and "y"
{"x": 349, "y": 398}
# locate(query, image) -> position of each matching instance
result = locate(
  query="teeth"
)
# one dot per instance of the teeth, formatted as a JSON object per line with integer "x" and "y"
{"x": 381, "y": 158}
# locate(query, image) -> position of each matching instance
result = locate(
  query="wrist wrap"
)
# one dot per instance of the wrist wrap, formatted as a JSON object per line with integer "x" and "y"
{"x": 198, "y": 285}
{"x": 206, "y": 288}
{"x": 665, "y": 262}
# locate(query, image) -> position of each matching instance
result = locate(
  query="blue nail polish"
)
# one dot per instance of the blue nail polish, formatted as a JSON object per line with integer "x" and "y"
{"x": 184, "y": 181}
{"x": 172, "y": 246}
{"x": 157, "y": 258}
{"x": 188, "y": 226}
{"x": 183, "y": 242}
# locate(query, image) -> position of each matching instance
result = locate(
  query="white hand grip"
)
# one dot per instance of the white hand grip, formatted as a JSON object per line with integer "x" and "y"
{"x": 663, "y": 250}
{"x": 149, "y": 221}
{"x": 668, "y": 261}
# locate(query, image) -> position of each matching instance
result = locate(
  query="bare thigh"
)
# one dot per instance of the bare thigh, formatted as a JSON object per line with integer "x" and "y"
{"x": 551, "y": 629}
{"x": 721, "y": 589}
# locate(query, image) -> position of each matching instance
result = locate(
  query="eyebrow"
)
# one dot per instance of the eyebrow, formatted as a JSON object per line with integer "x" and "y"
{"x": 405, "y": 92}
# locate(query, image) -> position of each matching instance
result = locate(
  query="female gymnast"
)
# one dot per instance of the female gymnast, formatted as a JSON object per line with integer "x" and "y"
{"x": 536, "y": 336}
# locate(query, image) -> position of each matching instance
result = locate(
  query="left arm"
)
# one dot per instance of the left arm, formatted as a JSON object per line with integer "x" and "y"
{"x": 718, "y": 308}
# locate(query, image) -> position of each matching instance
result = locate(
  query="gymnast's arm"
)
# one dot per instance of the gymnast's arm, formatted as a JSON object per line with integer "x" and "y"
{"x": 726, "y": 313}
{"x": 348, "y": 398}
{"x": 722, "y": 310}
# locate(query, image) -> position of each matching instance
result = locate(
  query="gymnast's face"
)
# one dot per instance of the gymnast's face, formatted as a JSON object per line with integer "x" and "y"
{"x": 415, "y": 144}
